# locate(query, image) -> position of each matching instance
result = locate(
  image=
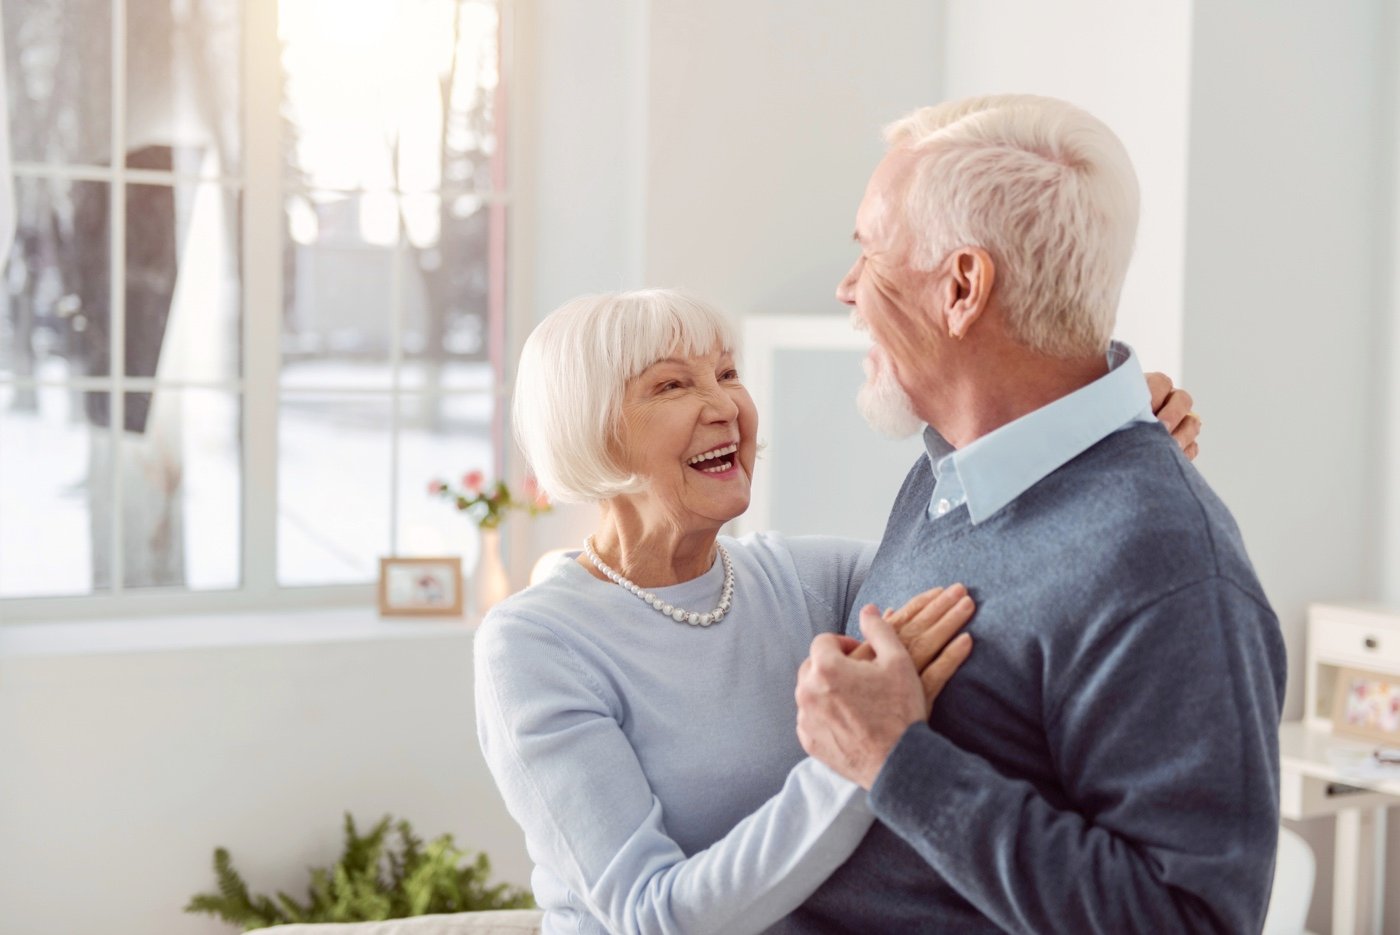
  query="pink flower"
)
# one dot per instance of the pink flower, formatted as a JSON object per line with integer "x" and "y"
{"x": 436, "y": 487}
{"x": 473, "y": 481}
{"x": 538, "y": 498}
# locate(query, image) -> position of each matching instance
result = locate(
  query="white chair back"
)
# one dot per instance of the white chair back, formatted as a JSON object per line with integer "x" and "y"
{"x": 1293, "y": 885}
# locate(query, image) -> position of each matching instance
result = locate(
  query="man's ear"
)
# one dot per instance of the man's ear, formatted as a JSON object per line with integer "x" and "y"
{"x": 972, "y": 275}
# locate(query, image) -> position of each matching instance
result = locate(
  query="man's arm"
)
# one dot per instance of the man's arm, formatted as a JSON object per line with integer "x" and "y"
{"x": 1165, "y": 740}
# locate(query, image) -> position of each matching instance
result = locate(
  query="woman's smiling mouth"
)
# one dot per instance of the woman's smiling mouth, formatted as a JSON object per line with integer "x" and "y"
{"x": 715, "y": 461}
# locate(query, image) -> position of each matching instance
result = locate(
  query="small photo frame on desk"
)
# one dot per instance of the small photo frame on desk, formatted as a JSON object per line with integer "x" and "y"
{"x": 1366, "y": 706}
{"x": 420, "y": 587}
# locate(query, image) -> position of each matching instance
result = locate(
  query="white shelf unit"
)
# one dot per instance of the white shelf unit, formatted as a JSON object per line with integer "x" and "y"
{"x": 1346, "y": 636}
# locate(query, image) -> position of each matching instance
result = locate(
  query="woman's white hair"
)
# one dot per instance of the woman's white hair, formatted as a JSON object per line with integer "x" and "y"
{"x": 1044, "y": 187}
{"x": 573, "y": 374}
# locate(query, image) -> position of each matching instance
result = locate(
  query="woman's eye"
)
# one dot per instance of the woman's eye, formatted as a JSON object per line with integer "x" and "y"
{"x": 729, "y": 375}
{"x": 669, "y": 385}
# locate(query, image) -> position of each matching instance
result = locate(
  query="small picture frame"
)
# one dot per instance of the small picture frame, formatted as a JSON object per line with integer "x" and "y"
{"x": 1366, "y": 706}
{"x": 420, "y": 587}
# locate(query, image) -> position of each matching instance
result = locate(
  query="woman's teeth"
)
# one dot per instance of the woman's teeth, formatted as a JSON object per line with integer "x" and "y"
{"x": 714, "y": 461}
{"x": 709, "y": 455}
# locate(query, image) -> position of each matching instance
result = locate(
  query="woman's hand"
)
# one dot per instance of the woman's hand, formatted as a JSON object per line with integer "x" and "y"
{"x": 1172, "y": 407}
{"x": 927, "y": 626}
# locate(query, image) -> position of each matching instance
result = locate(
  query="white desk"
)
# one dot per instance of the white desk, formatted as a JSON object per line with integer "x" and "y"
{"x": 1313, "y": 784}
{"x": 1343, "y": 636}
{"x": 1306, "y": 751}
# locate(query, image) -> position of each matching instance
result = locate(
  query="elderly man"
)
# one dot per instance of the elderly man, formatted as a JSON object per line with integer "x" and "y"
{"x": 1106, "y": 761}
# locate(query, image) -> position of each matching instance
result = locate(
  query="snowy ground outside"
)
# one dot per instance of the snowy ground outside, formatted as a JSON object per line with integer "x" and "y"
{"x": 334, "y": 510}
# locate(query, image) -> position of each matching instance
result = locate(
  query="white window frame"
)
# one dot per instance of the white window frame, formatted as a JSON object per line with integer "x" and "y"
{"x": 261, "y": 185}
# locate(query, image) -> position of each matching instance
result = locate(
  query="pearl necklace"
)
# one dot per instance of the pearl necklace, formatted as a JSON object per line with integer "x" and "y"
{"x": 660, "y": 606}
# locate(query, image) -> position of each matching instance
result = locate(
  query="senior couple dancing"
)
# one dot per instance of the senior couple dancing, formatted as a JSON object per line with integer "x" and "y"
{"x": 1092, "y": 747}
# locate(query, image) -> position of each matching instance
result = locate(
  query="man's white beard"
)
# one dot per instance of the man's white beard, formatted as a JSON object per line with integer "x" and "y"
{"x": 884, "y": 404}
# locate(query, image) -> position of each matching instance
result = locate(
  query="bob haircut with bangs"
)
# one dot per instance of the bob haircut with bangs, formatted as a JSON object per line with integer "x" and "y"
{"x": 573, "y": 374}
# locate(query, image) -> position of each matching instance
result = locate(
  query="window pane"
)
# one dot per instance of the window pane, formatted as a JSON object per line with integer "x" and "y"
{"x": 422, "y": 117}
{"x": 57, "y": 288}
{"x": 182, "y": 83}
{"x": 446, "y": 291}
{"x": 339, "y": 290}
{"x": 441, "y": 438}
{"x": 51, "y": 512}
{"x": 182, "y": 492}
{"x": 58, "y": 63}
{"x": 333, "y": 487}
{"x": 183, "y": 317}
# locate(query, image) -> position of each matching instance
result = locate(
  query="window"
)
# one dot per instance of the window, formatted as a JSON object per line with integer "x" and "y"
{"x": 256, "y": 296}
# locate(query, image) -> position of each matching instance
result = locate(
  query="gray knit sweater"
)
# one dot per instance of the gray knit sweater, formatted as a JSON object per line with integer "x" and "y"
{"x": 1107, "y": 760}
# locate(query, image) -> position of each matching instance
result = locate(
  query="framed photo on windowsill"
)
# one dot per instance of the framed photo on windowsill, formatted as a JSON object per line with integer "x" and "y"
{"x": 1366, "y": 706}
{"x": 420, "y": 587}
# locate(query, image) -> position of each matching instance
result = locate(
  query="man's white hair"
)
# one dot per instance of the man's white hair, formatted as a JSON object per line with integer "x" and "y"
{"x": 573, "y": 375}
{"x": 1045, "y": 188}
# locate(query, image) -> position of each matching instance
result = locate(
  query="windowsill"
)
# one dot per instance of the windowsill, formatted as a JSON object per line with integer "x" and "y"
{"x": 207, "y": 631}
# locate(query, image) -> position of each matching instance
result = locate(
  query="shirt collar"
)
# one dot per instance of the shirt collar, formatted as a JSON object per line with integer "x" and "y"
{"x": 995, "y": 469}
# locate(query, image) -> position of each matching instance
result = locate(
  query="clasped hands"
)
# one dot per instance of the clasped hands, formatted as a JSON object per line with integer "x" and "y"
{"x": 855, "y": 700}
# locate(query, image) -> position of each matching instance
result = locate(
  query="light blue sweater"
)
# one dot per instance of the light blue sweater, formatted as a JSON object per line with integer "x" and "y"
{"x": 654, "y": 766}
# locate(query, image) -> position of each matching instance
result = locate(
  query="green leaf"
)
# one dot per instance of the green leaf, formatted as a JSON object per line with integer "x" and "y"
{"x": 293, "y": 910}
{"x": 387, "y": 873}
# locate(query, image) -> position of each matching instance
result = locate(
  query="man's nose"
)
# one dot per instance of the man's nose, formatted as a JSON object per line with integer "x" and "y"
{"x": 846, "y": 288}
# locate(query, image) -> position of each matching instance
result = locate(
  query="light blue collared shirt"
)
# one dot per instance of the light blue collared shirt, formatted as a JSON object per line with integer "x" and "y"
{"x": 1001, "y": 465}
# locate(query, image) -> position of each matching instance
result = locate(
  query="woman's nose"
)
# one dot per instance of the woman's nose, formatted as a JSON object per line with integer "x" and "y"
{"x": 720, "y": 406}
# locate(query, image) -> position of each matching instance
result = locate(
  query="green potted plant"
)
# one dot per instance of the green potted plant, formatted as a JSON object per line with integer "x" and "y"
{"x": 387, "y": 873}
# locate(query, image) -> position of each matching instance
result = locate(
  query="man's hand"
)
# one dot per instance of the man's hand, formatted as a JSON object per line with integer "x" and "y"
{"x": 1173, "y": 409}
{"x": 851, "y": 712}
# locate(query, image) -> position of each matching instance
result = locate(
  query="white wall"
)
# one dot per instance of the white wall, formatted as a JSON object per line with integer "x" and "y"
{"x": 764, "y": 123}
{"x": 120, "y": 771}
{"x": 1129, "y": 65}
{"x": 1282, "y": 308}
{"x": 1287, "y": 308}
{"x": 582, "y": 65}
{"x": 1388, "y": 343}
{"x": 721, "y": 147}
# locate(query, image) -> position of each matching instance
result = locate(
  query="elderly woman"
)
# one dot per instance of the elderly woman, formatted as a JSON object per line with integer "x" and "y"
{"x": 636, "y": 708}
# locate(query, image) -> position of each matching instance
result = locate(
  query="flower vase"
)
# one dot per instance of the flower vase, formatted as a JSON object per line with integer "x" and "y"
{"x": 491, "y": 584}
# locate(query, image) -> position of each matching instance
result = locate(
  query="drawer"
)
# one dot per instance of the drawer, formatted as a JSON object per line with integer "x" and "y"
{"x": 1302, "y": 796}
{"x": 1374, "y": 646}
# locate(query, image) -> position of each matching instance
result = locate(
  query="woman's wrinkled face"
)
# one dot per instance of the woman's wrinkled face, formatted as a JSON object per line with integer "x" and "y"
{"x": 689, "y": 428}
